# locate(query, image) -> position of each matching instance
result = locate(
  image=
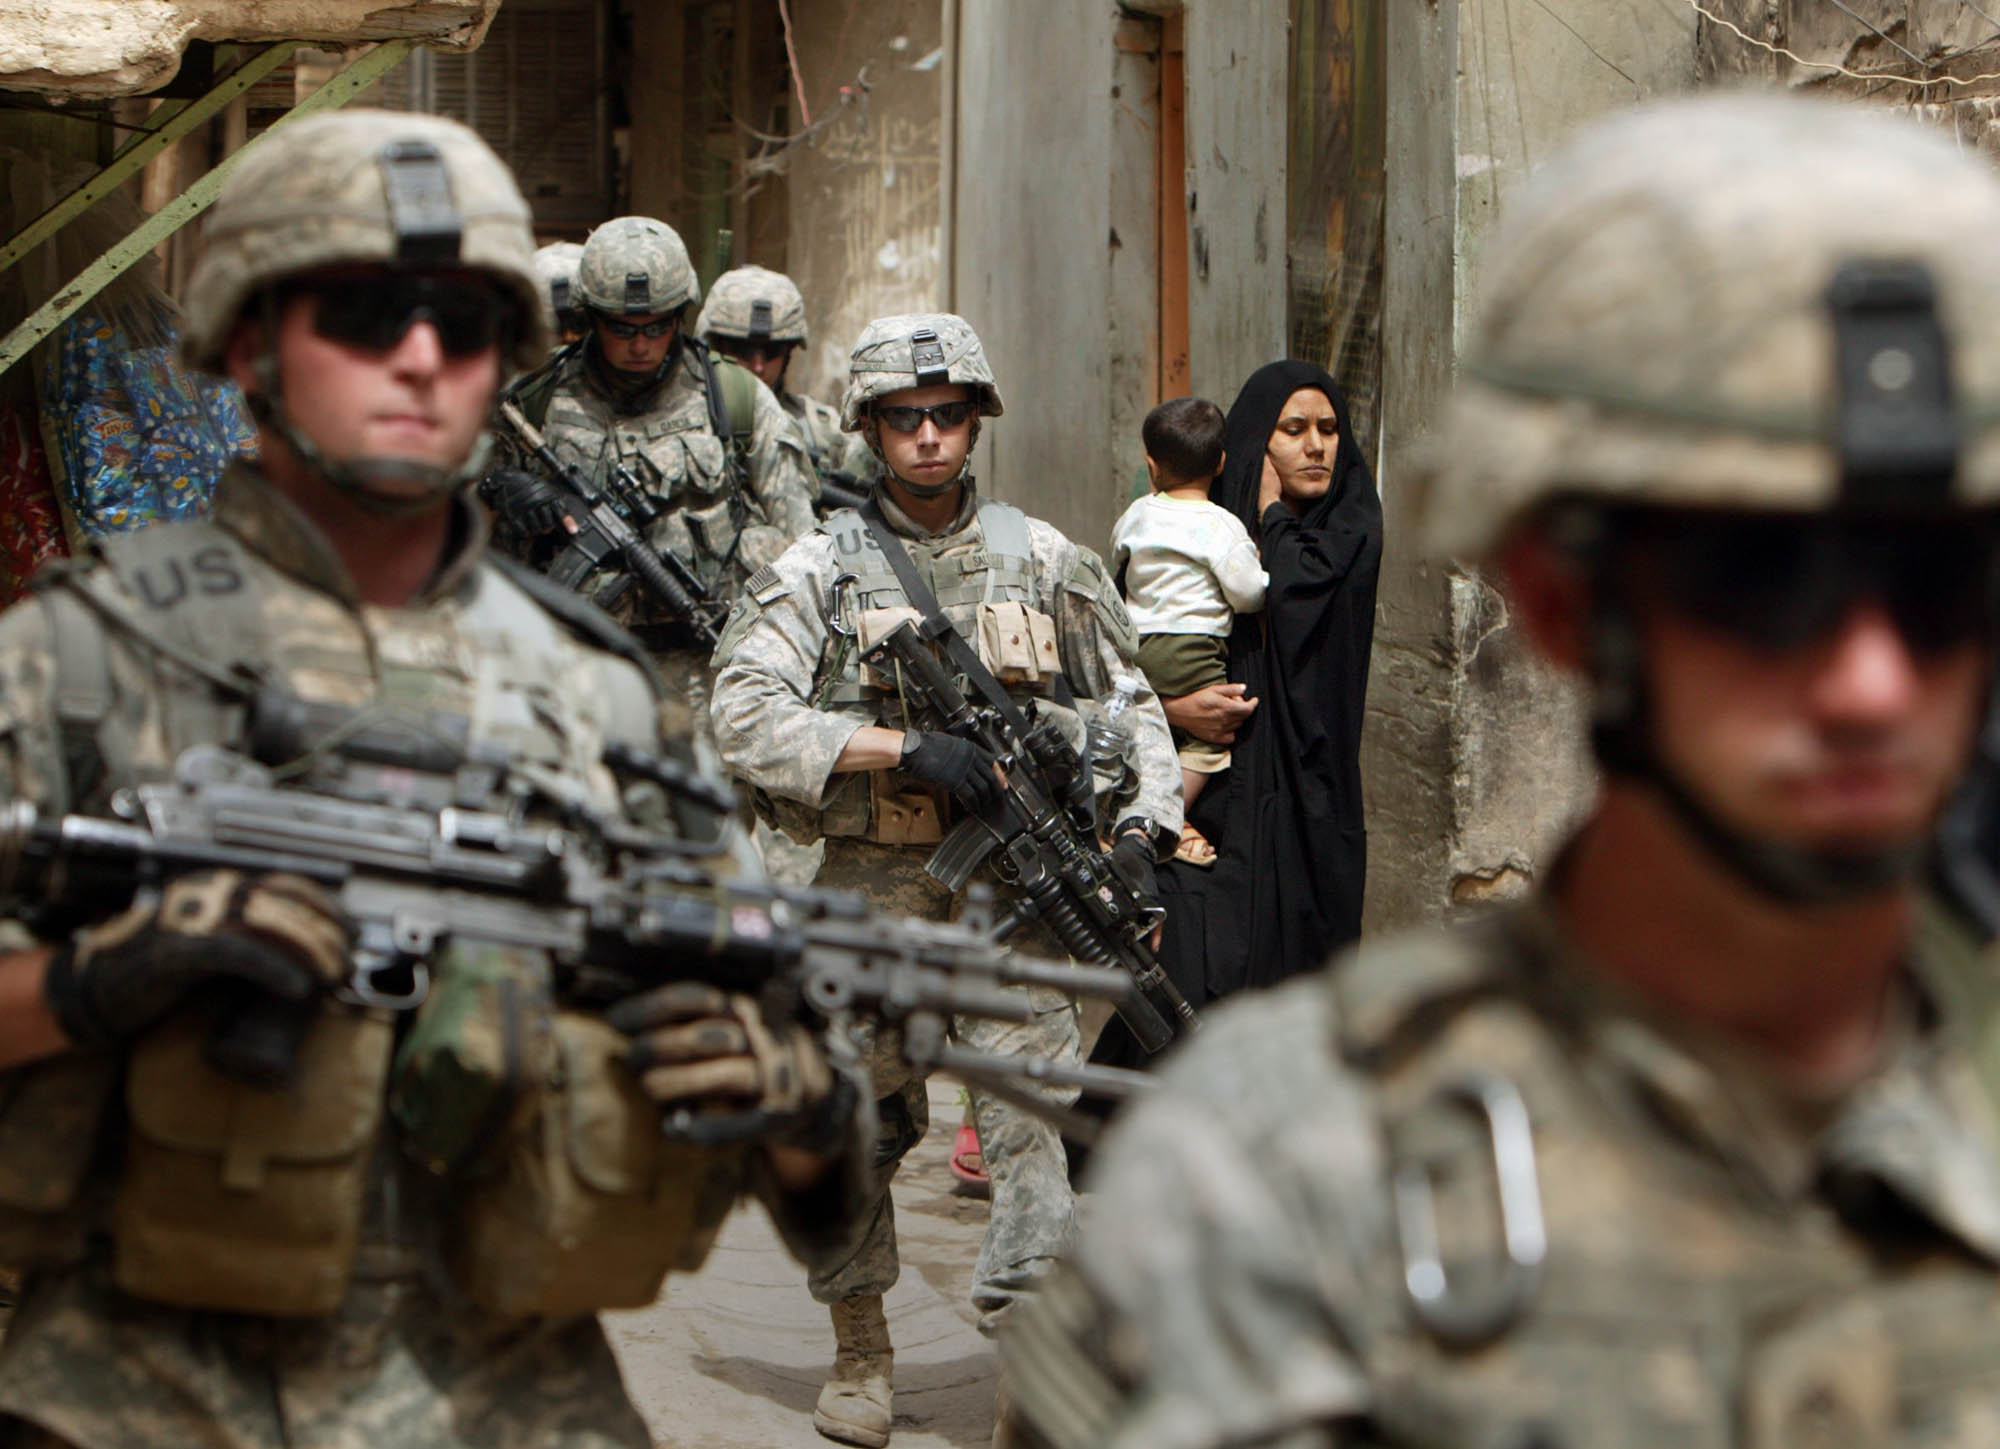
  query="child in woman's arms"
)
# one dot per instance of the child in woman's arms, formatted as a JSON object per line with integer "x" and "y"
{"x": 1189, "y": 567}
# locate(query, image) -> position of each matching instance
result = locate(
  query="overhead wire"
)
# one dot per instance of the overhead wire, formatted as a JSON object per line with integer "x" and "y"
{"x": 1877, "y": 76}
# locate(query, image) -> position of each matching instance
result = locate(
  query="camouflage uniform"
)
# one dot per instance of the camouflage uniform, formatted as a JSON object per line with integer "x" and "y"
{"x": 1726, "y": 1265}
{"x": 788, "y": 697}
{"x": 1465, "y": 1188}
{"x": 404, "y": 1362}
{"x": 755, "y": 304}
{"x": 122, "y": 664}
{"x": 726, "y": 516}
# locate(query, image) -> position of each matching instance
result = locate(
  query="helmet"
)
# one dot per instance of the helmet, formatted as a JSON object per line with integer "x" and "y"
{"x": 1731, "y": 301}
{"x": 556, "y": 264}
{"x": 755, "y": 304}
{"x": 919, "y": 349}
{"x": 387, "y": 188}
{"x": 635, "y": 266}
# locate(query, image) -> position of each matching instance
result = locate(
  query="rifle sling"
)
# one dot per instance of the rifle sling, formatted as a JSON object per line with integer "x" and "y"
{"x": 937, "y": 626}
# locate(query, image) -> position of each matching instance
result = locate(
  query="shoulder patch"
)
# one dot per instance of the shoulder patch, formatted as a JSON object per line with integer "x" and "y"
{"x": 766, "y": 586}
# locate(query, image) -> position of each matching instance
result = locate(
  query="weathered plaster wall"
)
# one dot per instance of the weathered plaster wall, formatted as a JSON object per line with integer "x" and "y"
{"x": 1031, "y": 232}
{"x": 1474, "y": 758}
{"x": 867, "y": 206}
{"x": 117, "y": 47}
{"x": 1238, "y": 69}
{"x": 1045, "y": 141}
{"x": 1956, "y": 50}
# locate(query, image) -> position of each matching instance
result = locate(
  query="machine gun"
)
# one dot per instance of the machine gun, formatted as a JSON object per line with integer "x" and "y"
{"x": 605, "y": 529}
{"x": 1041, "y": 837}
{"x": 617, "y": 908}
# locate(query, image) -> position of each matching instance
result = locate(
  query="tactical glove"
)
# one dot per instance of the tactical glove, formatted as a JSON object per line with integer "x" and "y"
{"x": 697, "y": 1047}
{"x": 278, "y": 935}
{"x": 1132, "y": 857}
{"x": 958, "y": 765}
{"x": 524, "y": 502}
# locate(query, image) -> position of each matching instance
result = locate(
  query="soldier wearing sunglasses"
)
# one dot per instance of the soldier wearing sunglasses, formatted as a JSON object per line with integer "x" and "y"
{"x": 832, "y": 754}
{"x": 217, "y": 1260}
{"x": 1691, "y": 1147}
{"x": 757, "y": 317}
{"x": 725, "y": 479}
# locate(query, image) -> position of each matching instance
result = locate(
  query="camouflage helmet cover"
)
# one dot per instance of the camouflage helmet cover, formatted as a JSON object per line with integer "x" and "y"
{"x": 556, "y": 265}
{"x": 361, "y": 187}
{"x": 1655, "y": 324}
{"x": 637, "y": 267}
{"x": 918, "y": 349}
{"x": 754, "y": 304}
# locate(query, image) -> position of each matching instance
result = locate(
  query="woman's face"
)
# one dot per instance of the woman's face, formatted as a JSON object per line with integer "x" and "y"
{"x": 1302, "y": 446}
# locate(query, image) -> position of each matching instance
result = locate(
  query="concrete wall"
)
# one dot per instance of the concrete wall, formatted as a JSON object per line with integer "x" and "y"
{"x": 866, "y": 195}
{"x": 1238, "y": 69}
{"x": 118, "y": 47}
{"x": 1051, "y": 231}
{"x": 1473, "y": 757}
{"x": 1031, "y": 235}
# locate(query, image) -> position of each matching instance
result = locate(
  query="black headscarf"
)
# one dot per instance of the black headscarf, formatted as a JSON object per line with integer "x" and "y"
{"x": 1285, "y": 818}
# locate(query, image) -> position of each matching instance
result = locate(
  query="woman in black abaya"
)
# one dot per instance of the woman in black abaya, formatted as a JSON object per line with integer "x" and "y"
{"x": 1284, "y": 892}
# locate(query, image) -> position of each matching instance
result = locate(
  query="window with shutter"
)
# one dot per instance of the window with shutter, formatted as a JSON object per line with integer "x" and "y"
{"x": 536, "y": 90}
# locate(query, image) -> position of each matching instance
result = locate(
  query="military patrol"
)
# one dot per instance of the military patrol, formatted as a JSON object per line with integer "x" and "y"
{"x": 756, "y": 317}
{"x": 219, "y": 1261}
{"x": 831, "y": 752}
{"x": 718, "y": 475}
{"x": 1689, "y": 1149}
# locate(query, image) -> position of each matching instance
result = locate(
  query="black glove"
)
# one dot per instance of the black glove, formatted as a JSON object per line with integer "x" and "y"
{"x": 705, "y": 1051}
{"x": 1132, "y": 858}
{"x": 524, "y": 502}
{"x": 279, "y": 935}
{"x": 958, "y": 765}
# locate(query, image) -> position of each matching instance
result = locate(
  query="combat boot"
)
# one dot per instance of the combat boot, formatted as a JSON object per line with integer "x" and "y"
{"x": 854, "y": 1405}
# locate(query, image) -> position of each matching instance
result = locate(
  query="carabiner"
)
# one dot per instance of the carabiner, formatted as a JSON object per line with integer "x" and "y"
{"x": 1454, "y": 1319}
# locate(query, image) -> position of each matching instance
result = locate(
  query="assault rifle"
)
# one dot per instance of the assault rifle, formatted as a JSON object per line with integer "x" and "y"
{"x": 617, "y": 908}
{"x": 602, "y": 531}
{"x": 1041, "y": 837}
{"x": 841, "y": 490}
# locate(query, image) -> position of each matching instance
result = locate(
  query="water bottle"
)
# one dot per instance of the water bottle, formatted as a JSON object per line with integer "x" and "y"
{"x": 1110, "y": 733}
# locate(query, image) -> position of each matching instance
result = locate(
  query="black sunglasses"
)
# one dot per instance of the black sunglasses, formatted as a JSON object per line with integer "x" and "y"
{"x": 902, "y": 418}
{"x": 1777, "y": 584}
{"x": 628, "y": 330}
{"x": 377, "y": 313}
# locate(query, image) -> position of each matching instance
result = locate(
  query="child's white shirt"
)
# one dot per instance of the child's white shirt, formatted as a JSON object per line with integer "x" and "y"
{"x": 1190, "y": 566}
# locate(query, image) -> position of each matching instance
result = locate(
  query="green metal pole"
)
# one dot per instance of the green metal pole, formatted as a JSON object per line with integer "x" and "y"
{"x": 141, "y": 149}
{"x": 187, "y": 206}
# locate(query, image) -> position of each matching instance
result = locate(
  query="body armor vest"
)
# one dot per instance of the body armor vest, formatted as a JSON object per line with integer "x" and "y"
{"x": 985, "y": 583}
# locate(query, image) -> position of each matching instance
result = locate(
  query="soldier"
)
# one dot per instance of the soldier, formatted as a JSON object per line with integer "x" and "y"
{"x": 756, "y": 317}
{"x": 192, "y": 1238}
{"x": 1688, "y": 1148}
{"x": 830, "y": 753}
{"x": 556, "y": 264}
{"x": 716, "y": 457}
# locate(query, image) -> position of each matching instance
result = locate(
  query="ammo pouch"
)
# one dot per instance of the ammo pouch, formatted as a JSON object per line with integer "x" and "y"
{"x": 570, "y": 1200}
{"x": 1017, "y": 643}
{"x": 247, "y": 1199}
{"x": 585, "y": 1204}
{"x": 51, "y": 1115}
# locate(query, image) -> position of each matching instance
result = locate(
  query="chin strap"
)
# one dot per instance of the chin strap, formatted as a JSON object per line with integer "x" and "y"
{"x": 1620, "y": 738}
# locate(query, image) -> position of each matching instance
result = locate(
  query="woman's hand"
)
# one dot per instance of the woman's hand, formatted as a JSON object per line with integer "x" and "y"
{"x": 1269, "y": 489}
{"x": 1214, "y": 712}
